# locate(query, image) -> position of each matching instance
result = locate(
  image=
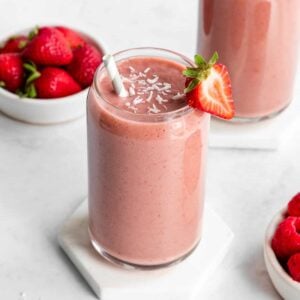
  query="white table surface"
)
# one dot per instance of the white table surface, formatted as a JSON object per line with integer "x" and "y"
{"x": 43, "y": 168}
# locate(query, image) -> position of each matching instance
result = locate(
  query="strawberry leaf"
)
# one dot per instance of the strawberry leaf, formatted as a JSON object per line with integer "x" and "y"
{"x": 199, "y": 60}
{"x": 192, "y": 73}
{"x": 33, "y": 77}
{"x": 22, "y": 44}
{"x": 30, "y": 67}
{"x": 200, "y": 72}
{"x": 33, "y": 32}
{"x": 213, "y": 59}
{"x": 191, "y": 85}
{"x": 30, "y": 91}
{"x": 33, "y": 73}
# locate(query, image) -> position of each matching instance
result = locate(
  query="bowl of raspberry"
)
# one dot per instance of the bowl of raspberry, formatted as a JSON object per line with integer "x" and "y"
{"x": 282, "y": 250}
{"x": 45, "y": 73}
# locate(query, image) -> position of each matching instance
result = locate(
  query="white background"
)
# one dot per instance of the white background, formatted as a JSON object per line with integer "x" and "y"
{"x": 43, "y": 169}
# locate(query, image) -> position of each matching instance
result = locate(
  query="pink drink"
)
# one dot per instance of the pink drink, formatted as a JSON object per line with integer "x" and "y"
{"x": 257, "y": 40}
{"x": 147, "y": 156}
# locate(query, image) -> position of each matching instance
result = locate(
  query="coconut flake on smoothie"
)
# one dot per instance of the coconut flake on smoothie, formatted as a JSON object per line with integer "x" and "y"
{"x": 154, "y": 86}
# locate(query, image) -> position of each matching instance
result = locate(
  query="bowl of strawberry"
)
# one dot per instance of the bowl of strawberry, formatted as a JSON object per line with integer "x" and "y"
{"x": 45, "y": 73}
{"x": 282, "y": 250}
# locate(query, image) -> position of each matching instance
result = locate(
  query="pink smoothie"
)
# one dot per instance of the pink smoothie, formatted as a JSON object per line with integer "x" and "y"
{"x": 147, "y": 155}
{"x": 257, "y": 40}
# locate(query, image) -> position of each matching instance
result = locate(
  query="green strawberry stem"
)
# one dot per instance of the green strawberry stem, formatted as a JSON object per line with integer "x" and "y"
{"x": 31, "y": 91}
{"x": 22, "y": 44}
{"x": 200, "y": 72}
{"x": 33, "y": 74}
{"x": 33, "y": 32}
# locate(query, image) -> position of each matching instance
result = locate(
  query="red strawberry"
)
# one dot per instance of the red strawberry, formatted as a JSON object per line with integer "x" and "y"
{"x": 73, "y": 38}
{"x": 14, "y": 44}
{"x": 48, "y": 47}
{"x": 85, "y": 62}
{"x": 208, "y": 87}
{"x": 11, "y": 71}
{"x": 286, "y": 240}
{"x": 294, "y": 206}
{"x": 294, "y": 266}
{"x": 55, "y": 83}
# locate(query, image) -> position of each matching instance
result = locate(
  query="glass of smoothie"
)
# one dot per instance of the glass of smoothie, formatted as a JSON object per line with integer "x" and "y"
{"x": 146, "y": 162}
{"x": 257, "y": 40}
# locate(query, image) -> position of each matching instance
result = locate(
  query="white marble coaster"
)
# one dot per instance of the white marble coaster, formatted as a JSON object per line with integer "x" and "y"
{"x": 183, "y": 281}
{"x": 268, "y": 134}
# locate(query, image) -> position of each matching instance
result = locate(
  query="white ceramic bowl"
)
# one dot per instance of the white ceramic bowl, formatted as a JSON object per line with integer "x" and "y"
{"x": 288, "y": 288}
{"x": 47, "y": 111}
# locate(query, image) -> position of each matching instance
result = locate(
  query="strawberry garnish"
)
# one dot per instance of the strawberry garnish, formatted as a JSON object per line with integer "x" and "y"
{"x": 208, "y": 87}
{"x": 48, "y": 47}
{"x": 84, "y": 64}
{"x": 11, "y": 71}
{"x": 73, "y": 38}
{"x": 14, "y": 44}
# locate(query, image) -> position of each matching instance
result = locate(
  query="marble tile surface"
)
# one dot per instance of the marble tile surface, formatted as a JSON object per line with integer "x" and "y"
{"x": 43, "y": 169}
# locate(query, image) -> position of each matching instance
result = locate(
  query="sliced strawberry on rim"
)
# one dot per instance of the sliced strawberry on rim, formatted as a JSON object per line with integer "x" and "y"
{"x": 208, "y": 87}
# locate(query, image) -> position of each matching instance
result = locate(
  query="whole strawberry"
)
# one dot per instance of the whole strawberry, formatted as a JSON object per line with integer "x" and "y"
{"x": 286, "y": 240}
{"x": 11, "y": 71}
{"x": 55, "y": 83}
{"x": 84, "y": 64}
{"x": 294, "y": 206}
{"x": 14, "y": 44}
{"x": 73, "y": 38}
{"x": 294, "y": 266}
{"x": 48, "y": 47}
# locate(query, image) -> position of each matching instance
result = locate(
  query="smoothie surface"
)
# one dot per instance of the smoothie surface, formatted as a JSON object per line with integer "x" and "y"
{"x": 155, "y": 85}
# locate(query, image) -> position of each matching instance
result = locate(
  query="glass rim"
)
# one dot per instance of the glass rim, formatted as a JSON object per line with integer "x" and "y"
{"x": 162, "y": 116}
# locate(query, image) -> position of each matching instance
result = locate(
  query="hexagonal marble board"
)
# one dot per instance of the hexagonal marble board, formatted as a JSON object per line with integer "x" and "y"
{"x": 183, "y": 281}
{"x": 268, "y": 134}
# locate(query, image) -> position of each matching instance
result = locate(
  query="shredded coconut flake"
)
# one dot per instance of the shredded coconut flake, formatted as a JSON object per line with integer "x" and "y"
{"x": 160, "y": 100}
{"x": 131, "y": 91}
{"x": 153, "y": 80}
{"x": 150, "y": 96}
{"x": 134, "y": 77}
{"x": 142, "y": 82}
{"x": 146, "y": 70}
{"x": 178, "y": 96}
{"x": 153, "y": 109}
{"x": 165, "y": 88}
{"x": 134, "y": 109}
{"x": 137, "y": 100}
{"x": 131, "y": 69}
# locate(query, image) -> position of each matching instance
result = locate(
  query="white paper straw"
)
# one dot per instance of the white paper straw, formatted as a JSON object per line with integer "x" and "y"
{"x": 114, "y": 75}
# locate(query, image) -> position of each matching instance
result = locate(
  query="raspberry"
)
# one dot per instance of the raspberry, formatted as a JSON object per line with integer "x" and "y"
{"x": 286, "y": 240}
{"x": 294, "y": 206}
{"x": 294, "y": 266}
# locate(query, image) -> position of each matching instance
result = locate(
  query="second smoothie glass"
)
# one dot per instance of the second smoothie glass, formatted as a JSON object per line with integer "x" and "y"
{"x": 146, "y": 177}
{"x": 257, "y": 40}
